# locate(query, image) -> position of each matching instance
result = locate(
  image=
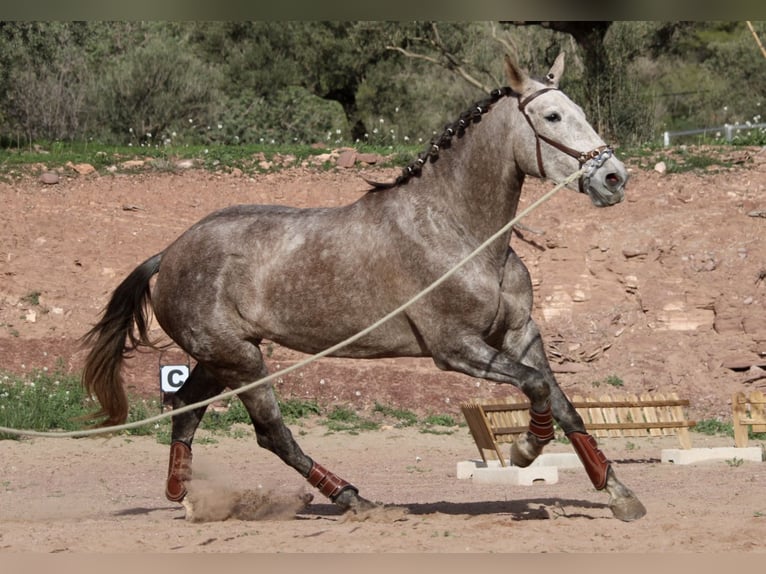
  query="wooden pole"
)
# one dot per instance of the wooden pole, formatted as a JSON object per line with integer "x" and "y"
{"x": 757, "y": 39}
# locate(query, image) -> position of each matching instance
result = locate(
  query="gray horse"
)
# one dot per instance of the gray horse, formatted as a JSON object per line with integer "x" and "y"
{"x": 310, "y": 278}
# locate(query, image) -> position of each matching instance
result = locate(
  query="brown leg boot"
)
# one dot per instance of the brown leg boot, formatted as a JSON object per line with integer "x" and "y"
{"x": 541, "y": 425}
{"x": 179, "y": 471}
{"x": 327, "y": 482}
{"x": 594, "y": 461}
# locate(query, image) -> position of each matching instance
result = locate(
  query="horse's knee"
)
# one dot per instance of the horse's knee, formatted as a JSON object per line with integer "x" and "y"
{"x": 537, "y": 389}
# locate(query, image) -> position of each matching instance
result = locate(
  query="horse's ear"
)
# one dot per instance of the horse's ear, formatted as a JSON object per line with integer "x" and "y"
{"x": 517, "y": 77}
{"x": 557, "y": 70}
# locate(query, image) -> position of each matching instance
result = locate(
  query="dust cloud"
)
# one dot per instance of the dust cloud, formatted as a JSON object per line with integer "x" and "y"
{"x": 208, "y": 501}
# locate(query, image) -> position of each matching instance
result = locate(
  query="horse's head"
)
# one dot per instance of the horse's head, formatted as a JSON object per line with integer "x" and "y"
{"x": 555, "y": 139}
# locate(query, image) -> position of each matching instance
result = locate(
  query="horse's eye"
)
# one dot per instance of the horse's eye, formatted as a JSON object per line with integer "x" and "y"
{"x": 553, "y": 117}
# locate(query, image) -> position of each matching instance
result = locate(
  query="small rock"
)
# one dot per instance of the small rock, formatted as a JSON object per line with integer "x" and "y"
{"x": 631, "y": 283}
{"x": 579, "y": 296}
{"x": 323, "y": 158}
{"x": 346, "y": 159}
{"x": 49, "y": 178}
{"x": 185, "y": 164}
{"x": 81, "y": 168}
{"x": 132, "y": 164}
{"x": 660, "y": 167}
{"x": 631, "y": 252}
{"x": 368, "y": 158}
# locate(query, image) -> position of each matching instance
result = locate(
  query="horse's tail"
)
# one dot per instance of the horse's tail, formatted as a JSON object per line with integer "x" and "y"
{"x": 114, "y": 338}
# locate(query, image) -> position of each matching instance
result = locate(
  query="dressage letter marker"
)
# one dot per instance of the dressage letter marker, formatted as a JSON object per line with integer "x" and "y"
{"x": 172, "y": 377}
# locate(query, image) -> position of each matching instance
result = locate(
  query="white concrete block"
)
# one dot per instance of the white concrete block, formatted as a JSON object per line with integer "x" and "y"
{"x": 492, "y": 473}
{"x": 516, "y": 475}
{"x": 466, "y": 468}
{"x": 696, "y": 455}
{"x": 558, "y": 459}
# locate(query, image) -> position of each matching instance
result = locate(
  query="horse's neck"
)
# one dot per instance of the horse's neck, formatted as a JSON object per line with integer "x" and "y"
{"x": 476, "y": 180}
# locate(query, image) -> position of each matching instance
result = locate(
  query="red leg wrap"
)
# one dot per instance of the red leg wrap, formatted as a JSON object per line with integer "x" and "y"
{"x": 328, "y": 483}
{"x": 179, "y": 471}
{"x": 595, "y": 462}
{"x": 541, "y": 425}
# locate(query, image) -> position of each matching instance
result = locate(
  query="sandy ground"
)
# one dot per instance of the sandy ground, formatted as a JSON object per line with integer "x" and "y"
{"x": 106, "y": 495}
{"x": 665, "y": 291}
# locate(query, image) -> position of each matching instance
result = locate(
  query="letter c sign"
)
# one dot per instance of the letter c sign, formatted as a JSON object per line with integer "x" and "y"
{"x": 172, "y": 377}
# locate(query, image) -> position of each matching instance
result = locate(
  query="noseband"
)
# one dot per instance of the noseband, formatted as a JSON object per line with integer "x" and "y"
{"x": 597, "y": 156}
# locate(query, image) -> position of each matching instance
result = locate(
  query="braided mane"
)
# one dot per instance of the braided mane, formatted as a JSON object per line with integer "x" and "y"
{"x": 443, "y": 141}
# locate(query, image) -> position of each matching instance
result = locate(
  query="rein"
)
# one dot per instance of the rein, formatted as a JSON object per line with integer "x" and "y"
{"x": 598, "y": 155}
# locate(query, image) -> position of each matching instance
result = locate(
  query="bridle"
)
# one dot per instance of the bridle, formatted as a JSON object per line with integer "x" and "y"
{"x": 597, "y": 156}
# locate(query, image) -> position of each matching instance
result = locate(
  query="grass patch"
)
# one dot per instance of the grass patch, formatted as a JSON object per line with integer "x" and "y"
{"x": 251, "y": 158}
{"x": 32, "y": 298}
{"x": 681, "y": 158}
{"x": 225, "y": 421}
{"x": 403, "y": 417}
{"x": 344, "y": 419}
{"x": 294, "y": 410}
{"x": 439, "y": 424}
{"x": 713, "y": 427}
{"x": 611, "y": 380}
{"x": 50, "y": 402}
{"x": 42, "y": 401}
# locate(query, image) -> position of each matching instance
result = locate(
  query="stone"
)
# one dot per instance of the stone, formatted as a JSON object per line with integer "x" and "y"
{"x": 346, "y": 159}
{"x": 132, "y": 164}
{"x": 368, "y": 158}
{"x": 81, "y": 168}
{"x": 50, "y": 178}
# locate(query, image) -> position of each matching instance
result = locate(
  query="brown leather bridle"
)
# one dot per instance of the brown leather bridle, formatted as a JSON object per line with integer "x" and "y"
{"x": 598, "y": 155}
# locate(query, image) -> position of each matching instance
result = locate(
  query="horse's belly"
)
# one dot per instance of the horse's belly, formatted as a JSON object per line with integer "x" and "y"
{"x": 395, "y": 338}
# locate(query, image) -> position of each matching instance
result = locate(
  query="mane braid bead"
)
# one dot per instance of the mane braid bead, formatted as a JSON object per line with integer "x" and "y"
{"x": 457, "y": 128}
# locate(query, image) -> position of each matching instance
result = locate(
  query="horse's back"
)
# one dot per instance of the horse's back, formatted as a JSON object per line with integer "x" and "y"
{"x": 305, "y": 278}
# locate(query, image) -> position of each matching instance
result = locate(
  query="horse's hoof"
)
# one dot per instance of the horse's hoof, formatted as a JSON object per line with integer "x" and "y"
{"x": 363, "y": 505}
{"x": 190, "y": 517}
{"x": 627, "y": 508}
{"x": 349, "y": 500}
{"x": 519, "y": 458}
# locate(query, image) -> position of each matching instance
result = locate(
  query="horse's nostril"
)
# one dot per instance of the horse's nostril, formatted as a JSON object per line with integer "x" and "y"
{"x": 613, "y": 180}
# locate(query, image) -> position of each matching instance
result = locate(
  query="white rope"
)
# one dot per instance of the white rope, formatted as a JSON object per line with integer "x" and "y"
{"x": 330, "y": 350}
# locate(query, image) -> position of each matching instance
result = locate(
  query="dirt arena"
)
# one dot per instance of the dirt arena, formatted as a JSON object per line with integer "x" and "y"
{"x": 665, "y": 292}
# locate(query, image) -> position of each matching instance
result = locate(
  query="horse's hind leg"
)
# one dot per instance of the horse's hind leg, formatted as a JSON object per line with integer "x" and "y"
{"x": 198, "y": 387}
{"x": 272, "y": 434}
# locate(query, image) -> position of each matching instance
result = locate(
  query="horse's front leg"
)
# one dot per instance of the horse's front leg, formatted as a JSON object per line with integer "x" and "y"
{"x": 527, "y": 342}
{"x": 474, "y": 356}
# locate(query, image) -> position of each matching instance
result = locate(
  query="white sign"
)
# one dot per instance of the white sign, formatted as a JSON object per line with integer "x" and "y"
{"x": 172, "y": 377}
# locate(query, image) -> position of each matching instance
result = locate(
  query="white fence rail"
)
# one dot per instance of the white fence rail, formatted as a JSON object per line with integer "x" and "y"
{"x": 727, "y": 131}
